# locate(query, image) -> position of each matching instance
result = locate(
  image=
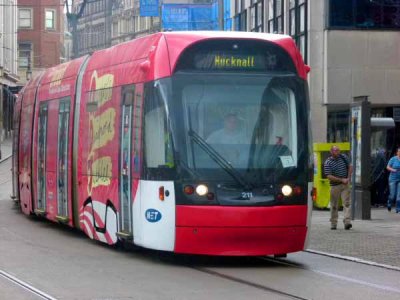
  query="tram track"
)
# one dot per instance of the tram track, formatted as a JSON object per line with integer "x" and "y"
{"x": 335, "y": 276}
{"x": 26, "y": 286}
{"x": 247, "y": 283}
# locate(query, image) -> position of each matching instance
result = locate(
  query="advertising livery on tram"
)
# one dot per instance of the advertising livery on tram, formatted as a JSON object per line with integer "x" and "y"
{"x": 190, "y": 142}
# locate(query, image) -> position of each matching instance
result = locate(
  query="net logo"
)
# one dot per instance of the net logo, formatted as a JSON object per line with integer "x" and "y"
{"x": 153, "y": 215}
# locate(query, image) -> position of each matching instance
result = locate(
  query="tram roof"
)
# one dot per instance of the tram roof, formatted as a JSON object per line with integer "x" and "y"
{"x": 65, "y": 70}
{"x": 160, "y": 47}
{"x": 163, "y": 46}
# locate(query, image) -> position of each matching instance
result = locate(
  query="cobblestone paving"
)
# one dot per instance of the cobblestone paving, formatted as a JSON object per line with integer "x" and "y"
{"x": 376, "y": 240}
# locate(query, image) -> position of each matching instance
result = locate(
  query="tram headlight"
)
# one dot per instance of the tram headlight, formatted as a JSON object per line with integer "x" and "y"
{"x": 287, "y": 190}
{"x": 201, "y": 190}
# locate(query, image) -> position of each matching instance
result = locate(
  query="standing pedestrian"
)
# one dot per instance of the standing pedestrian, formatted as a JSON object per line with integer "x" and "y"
{"x": 338, "y": 170}
{"x": 379, "y": 178}
{"x": 393, "y": 167}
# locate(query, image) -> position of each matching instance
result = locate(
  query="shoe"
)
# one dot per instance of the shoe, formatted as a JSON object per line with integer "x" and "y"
{"x": 333, "y": 227}
{"x": 389, "y": 208}
{"x": 347, "y": 226}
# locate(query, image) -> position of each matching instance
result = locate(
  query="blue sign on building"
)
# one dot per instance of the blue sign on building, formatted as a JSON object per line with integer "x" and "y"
{"x": 149, "y": 8}
{"x": 190, "y": 16}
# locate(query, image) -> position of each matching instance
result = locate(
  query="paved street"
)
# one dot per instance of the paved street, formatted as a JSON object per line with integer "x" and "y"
{"x": 376, "y": 240}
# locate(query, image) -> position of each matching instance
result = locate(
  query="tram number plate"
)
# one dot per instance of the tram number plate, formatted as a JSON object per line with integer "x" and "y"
{"x": 247, "y": 195}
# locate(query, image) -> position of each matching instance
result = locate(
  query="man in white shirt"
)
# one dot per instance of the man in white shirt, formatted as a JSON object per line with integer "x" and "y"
{"x": 230, "y": 134}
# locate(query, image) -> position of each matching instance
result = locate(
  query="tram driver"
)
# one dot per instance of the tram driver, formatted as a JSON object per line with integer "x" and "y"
{"x": 231, "y": 133}
{"x": 230, "y": 140}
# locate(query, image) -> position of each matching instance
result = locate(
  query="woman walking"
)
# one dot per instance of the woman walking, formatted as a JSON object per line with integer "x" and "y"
{"x": 393, "y": 167}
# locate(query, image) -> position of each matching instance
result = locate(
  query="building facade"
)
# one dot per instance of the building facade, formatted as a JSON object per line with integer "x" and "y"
{"x": 40, "y": 36}
{"x": 109, "y": 22}
{"x": 127, "y": 23}
{"x": 352, "y": 47}
{"x": 94, "y": 26}
{"x": 8, "y": 63}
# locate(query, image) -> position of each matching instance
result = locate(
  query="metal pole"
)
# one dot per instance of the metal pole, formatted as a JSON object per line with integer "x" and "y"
{"x": 361, "y": 154}
{"x": 221, "y": 14}
{"x": 354, "y": 162}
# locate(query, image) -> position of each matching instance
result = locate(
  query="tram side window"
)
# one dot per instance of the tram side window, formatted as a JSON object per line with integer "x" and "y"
{"x": 157, "y": 138}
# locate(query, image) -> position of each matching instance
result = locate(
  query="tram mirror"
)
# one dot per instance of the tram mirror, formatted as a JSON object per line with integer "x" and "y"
{"x": 91, "y": 106}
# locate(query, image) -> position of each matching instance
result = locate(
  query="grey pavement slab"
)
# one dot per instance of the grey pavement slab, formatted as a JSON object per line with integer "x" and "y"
{"x": 376, "y": 240}
{"x": 6, "y": 149}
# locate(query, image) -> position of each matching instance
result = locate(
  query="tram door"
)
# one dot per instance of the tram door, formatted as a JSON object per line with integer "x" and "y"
{"x": 41, "y": 160}
{"x": 125, "y": 195}
{"x": 25, "y": 158}
{"x": 15, "y": 150}
{"x": 62, "y": 160}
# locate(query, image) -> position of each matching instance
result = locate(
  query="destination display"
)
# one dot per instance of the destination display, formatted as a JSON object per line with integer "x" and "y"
{"x": 236, "y": 56}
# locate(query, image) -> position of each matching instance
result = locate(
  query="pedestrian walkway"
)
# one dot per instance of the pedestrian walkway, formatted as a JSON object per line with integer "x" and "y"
{"x": 376, "y": 240}
{"x": 6, "y": 149}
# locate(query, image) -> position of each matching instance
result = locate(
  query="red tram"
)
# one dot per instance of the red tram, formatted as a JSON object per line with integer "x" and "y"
{"x": 191, "y": 142}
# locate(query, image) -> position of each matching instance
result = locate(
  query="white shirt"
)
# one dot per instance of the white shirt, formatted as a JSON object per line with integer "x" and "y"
{"x": 223, "y": 136}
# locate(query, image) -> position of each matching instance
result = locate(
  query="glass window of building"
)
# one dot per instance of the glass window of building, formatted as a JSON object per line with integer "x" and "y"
{"x": 338, "y": 126}
{"x": 243, "y": 20}
{"x": 115, "y": 32}
{"x": 240, "y": 17}
{"x": 256, "y": 15}
{"x": 361, "y": 14}
{"x": 275, "y": 16}
{"x": 24, "y": 54}
{"x": 50, "y": 19}
{"x": 25, "y": 18}
{"x": 298, "y": 24}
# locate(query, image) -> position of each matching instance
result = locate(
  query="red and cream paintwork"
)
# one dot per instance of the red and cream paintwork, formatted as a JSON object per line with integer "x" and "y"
{"x": 57, "y": 83}
{"x": 93, "y": 157}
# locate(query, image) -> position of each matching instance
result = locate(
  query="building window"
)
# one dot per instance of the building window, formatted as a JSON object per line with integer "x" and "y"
{"x": 275, "y": 16}
{"x": 298, "y": 24}
{"x": 115, "y": 29}
{"x": 364, "y": 14}
{"x": 256, "y": 15}
{"x": 243, "y": 20}
{"x": 25, "y": 18}
{"x": 50, "y": 19}
{"x": 24, "y": 54}
{"x": 338, "y": 126}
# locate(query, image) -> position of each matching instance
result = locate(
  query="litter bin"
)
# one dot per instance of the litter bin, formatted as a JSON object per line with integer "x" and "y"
{"x": 322, "y": 188}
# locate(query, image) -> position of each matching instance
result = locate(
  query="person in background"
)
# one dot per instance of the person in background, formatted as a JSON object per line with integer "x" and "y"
{"x": 379, "y": 180}
{"x": 393, "y": 167}
{"x": 338, "y": 170}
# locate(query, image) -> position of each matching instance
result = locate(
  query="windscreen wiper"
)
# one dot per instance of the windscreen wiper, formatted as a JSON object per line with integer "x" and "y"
{"x": 215, "y": 156}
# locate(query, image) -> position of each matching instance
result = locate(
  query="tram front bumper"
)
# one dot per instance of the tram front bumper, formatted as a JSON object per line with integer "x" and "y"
{"x": 240, "y": 231}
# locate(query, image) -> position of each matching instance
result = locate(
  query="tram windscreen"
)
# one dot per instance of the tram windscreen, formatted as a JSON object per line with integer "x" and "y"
{"x": 241, "y": 122}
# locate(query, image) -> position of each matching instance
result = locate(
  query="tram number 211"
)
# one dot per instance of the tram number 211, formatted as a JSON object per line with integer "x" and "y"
{"x": 247, "y": 195}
